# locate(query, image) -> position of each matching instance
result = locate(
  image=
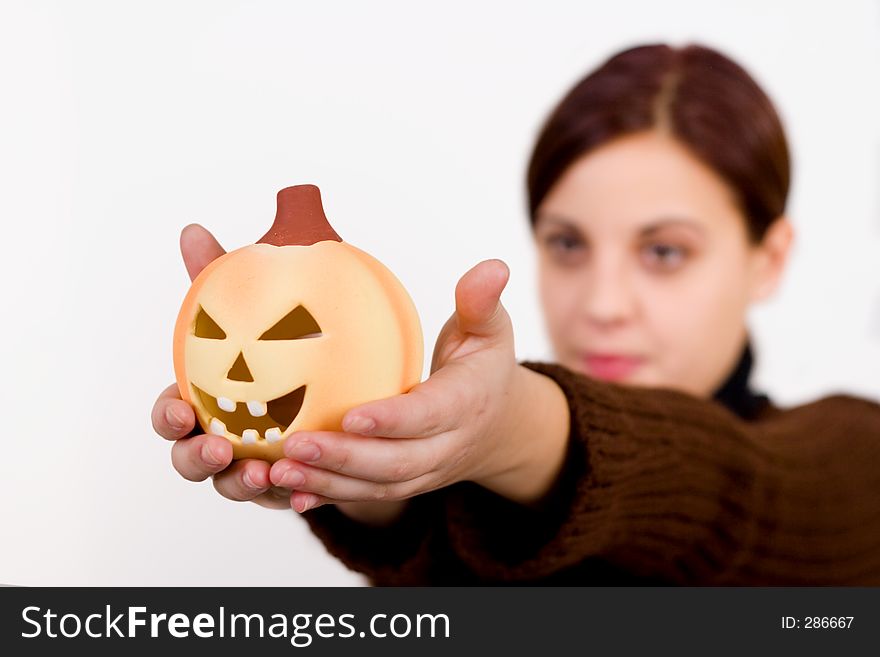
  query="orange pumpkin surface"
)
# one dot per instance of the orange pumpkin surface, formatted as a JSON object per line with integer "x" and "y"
{"x": 290, "y": 333}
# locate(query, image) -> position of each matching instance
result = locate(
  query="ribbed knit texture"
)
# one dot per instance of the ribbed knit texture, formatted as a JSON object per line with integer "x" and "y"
{"x": 658, "y": 487}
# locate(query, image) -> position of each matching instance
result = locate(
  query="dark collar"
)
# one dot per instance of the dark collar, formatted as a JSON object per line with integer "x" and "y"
{"x": 735, "y": 392}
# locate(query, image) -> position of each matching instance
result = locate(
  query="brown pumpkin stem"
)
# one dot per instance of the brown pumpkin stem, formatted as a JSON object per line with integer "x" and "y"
{"x": 299, "y": 219}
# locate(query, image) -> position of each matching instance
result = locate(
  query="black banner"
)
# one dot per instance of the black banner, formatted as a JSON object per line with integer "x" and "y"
{"x": 437, "y": 621}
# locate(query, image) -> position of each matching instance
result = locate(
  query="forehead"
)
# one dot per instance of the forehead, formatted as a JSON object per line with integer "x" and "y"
{"x": 638, "y": 180}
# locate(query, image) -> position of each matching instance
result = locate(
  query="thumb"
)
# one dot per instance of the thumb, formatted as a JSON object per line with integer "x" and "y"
{"x": 478, "y": 308}
{"x": 198, "y": 247}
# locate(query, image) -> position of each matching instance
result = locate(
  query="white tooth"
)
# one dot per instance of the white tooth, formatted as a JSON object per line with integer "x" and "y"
{"x": 249, "y": 436}
{"x": 256, "y": 408}
{"x": 226, "y": 404}
{"x": 217, "y": 427}
{"x": 273, "y": 435}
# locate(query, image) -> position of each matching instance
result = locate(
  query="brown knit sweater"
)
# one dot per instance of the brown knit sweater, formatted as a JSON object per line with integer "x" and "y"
{"x": 658, "y": 487}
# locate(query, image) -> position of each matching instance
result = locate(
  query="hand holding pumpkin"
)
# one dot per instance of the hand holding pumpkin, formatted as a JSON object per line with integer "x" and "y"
{"x": 291, "y": 332}
{"x": 479, "y": 417}
{"x": 469, "y": 420}
{"x": 460, "y": 424}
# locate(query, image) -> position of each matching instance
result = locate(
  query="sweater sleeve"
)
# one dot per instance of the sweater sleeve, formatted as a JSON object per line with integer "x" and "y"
{"x": 397, "y": 554}
{"x": 663, "y": 485}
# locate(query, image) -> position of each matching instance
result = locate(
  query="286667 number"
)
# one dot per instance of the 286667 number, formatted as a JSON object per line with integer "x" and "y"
{"x": 817, "y": 622}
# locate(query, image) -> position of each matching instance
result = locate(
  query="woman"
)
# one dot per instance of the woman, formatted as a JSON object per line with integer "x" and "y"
{"x": 657, "y": 195}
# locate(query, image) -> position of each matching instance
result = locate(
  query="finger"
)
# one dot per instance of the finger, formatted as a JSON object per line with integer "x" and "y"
{"x": 301, "y": 502}
{"x": 478, "y": 307}
{"x": 199, "y": 457}
{"x": 274, "y": 498}
{"x": 375, "y": 459}
{"x": 430, "y": 408}
{"x": 243, "y": 480}
{"x": 304, "y": 478}
{"x": 172, "y": 417}
{"x": 199, "y": 248}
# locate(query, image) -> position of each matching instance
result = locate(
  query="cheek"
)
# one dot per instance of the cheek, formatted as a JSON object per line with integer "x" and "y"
{"x": 708, "y": 292}
{"x": 697, "y": 323}
{"x": 694, "y": 307}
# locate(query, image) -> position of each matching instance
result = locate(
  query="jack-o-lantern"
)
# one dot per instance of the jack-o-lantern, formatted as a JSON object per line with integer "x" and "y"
{"x": 290, "y": 333}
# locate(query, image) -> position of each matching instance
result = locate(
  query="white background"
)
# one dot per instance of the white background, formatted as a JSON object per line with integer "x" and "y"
{"x": 122, "y": 122}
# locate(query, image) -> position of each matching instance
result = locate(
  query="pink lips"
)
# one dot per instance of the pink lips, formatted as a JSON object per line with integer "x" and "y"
{"x": 611, "y": 366}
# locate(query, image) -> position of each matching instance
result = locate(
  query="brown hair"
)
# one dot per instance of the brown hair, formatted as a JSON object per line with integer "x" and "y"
{"x": 704, "y": 99}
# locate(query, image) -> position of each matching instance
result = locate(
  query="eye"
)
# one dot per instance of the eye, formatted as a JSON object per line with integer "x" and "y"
{"x": 205, "y": 327}
{"x": 563, "y": 242}
{"x": 295, "y": 325}
{"x": 664, "y": 256}
{"x": 565, "y": 248}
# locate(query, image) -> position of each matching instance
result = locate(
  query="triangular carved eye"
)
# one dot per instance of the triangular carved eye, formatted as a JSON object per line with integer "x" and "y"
{"x": 295, "y": 325}
{"x": 205, "y": 327}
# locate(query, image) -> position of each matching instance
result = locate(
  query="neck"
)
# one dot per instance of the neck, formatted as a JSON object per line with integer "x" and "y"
{"x": 735, "y": 392}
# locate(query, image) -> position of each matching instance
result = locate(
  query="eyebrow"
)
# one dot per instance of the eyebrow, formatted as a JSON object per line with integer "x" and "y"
{"x": 647, "y": 230}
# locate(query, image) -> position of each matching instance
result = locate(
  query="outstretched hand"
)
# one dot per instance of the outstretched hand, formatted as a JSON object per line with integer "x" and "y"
{"x": 466, "y": 422}
{"x": 448, "y": 428}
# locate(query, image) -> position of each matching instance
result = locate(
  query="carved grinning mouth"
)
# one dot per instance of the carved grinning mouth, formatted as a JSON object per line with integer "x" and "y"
{"x": 252, "y": 421}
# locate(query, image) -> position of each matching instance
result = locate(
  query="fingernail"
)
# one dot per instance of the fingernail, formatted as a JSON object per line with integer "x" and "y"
{"x": 174, "y": 421}
{"x": 292, "y": 479}
{"x": 208, "y": 456}
{"x": 307, "y": 452}
{"x": 309, "y": 503}
{"x": 360, "y": 424}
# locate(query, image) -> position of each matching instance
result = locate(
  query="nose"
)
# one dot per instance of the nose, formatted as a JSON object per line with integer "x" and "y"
{"x": 239, "y": 370}
{"x": 608, "y": 297}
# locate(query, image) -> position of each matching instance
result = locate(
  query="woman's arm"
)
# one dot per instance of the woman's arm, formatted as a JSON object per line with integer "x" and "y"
{"x": 663, "y": 485}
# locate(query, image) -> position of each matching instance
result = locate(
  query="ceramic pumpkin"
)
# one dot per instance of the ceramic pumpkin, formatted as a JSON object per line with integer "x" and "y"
{"x": 290, "y": 333}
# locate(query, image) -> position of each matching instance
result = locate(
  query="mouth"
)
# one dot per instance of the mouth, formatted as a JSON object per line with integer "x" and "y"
{"x": 252, "y": 421}
{"x": 611, "y": 367}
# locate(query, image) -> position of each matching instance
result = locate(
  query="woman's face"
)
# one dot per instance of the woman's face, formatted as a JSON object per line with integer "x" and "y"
{"x": 646, "y": 271}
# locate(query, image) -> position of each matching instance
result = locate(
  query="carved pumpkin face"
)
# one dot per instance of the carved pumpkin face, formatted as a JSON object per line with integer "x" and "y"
{"x": 275, "y": 339}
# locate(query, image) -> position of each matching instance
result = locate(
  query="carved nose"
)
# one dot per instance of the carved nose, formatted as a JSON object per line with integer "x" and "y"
{"x": 239, "y": 370}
